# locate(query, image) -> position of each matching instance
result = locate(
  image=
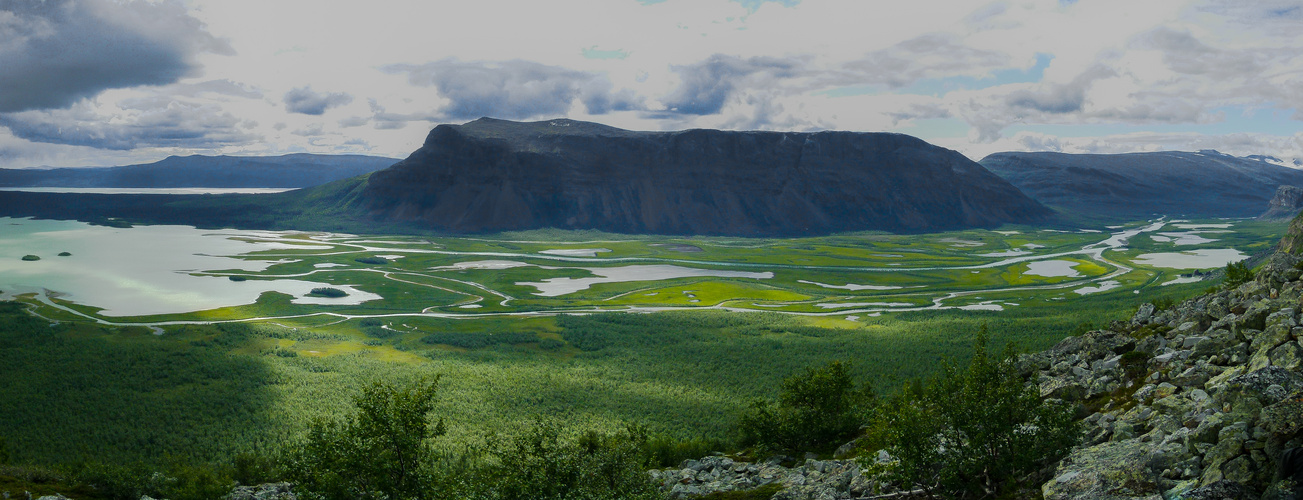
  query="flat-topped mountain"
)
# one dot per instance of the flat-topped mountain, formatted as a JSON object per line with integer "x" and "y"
{"x": 494, "y": 175}
{"x": 287, "y": 171}
{"x": 1206, "y": 183}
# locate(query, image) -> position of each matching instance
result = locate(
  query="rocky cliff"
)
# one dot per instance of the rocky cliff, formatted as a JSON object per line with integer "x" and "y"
{"x": 1202, "y": 184}
{"x": 494, "y": 175}
{"x": 1285, "y": 205}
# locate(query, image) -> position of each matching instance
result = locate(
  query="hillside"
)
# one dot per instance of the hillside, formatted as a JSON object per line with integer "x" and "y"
{"x": 287, "y": 171}
{"x": 1203, "y": 184}
{"x": 495, "y": 175}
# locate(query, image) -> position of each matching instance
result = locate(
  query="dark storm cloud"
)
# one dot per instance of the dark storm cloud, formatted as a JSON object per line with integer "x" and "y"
{"x": 55, "y": 52}
{"x": 708, "y": 85}
{"x": 515, "y": 89}
{"x": 176, "y": 124}
{"x": 306, "y": 101}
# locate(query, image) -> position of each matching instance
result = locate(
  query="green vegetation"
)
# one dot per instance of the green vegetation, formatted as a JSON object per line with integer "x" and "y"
{"x": 816, "y": 410}
{"x": 333, "y": 293}
{"x": 380, "y": 452}
{"x": 379, "y": 261}
{"x": 237, "y": 278}
{"x": 1237, "y": 273}
{"x": 65, "y": 254}
{"x": 975, "y": 431}
{"x": 30, "y": 257}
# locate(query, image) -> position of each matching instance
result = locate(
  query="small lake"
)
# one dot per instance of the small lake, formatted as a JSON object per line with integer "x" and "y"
{"x": 1053, "y": 269}
{"x": 554, "y": 287}
{"x": 1193, "y": 259}
{"x": 142, "y": 270}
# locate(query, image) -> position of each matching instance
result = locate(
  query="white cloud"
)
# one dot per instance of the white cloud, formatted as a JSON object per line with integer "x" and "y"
{"x": 238, "y": 76}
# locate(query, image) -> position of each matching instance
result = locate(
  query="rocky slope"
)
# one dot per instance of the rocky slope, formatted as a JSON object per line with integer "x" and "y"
{"x": 494, "y": 175}
{"x": 1203, "y": 184}
{"x": 1285, "y": 205}
{"x": 1202, "y": 400}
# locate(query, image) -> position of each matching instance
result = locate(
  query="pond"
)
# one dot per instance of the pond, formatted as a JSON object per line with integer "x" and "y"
{"x": 554, "y": 287}
{"x": 143, "y": 270}
{"x": 1192, "y": 259}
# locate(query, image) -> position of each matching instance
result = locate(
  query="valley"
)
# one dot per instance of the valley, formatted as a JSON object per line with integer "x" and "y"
{"x": 602, "y": 329}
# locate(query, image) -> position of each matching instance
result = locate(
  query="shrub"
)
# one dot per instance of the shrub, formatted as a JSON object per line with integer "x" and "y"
{"x": 550, "y": 344}
{"x": 65, "y": 254}
{"x": 976, "y": 431}
{"x": 237, "y": 278}
{"x": 378, "y": 452}
{"x": 31, "y": 258}
{"x": 333, "y": 293}
{"x": 379, "y": 261}
{"x": 816, "y": 410}
{"x": 1237, "y": 273}
{"x": 544, "y": 463}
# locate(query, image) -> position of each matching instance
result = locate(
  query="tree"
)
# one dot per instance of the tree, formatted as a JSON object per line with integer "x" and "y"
{"x": 1237, "y": 273}
{"x": 544, "y": 463}
{"x": 816, "y": 410}
{"x": 378, "y": 452}
{"x": 976, "y": 431}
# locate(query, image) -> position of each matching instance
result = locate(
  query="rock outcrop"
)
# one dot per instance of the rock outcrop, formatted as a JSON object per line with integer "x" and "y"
{"x": 495, "y": 175}
{"x": 1285, "y": 205}
{"x": 1202, "y": 400}
{"x": 813, "y": 480}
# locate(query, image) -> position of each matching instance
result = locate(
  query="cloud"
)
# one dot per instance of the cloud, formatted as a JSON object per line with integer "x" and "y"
{"x": 515, "y": 89}
{"x": 708, "y": 85}
{"x": 171, "y": 124}
{"x": 56, "y": 52}
{"x": 304, "y": 100}
{"x": 932, "y": 55}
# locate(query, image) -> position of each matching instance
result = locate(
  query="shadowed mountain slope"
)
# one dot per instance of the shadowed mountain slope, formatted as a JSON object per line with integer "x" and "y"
{"x": 495, "y": 175}
{"x": 1207, "y": 183}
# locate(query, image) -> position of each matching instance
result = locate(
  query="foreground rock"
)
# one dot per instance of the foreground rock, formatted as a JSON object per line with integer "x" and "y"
{"x": 813, "y": 480}
{"x": 1202, "y": 400}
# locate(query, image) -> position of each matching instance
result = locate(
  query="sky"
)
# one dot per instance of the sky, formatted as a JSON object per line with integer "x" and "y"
{"x": 114, "y": 82}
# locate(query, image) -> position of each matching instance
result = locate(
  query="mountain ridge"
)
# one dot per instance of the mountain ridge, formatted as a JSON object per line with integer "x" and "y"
{"x": 1203, "y": 184}
{"x": 493, "y": 175}
{"x": 297, "y": 170}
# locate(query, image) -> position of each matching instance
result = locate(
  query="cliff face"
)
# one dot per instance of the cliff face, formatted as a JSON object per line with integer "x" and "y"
{"x": 1206, "y": 183}
{"x": 493, "y": 175}
{"x": 1285, "y": 205}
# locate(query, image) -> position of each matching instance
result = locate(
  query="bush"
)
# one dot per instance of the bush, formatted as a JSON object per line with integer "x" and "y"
{"x": 379, "y": 452}
{"x": 544, "y": 463}
{"x": 975, "y": 432}
{"x": 817, "y": 410}
{"x": 1237, "y": 273}
{"x": 550, "y": 344}
{"x": 333, "y": 293}
{"x": 379, "y": 261}
{"x": 65, "y": 254}
{"x": 237, "y": 278}
{"x": 31, "y": 258}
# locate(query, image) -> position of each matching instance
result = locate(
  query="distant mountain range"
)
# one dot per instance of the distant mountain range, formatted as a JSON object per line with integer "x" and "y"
{"x": 288, "y": 171}
{"x": 495, "y": 175}
{"x": 1202, "y": 184}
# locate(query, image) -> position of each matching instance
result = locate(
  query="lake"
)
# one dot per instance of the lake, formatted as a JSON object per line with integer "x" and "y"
{"x": 142, "y": 270}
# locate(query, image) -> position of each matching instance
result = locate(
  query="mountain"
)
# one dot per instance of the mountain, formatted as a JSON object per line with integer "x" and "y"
{"x": 496, "y": 175}
{"x": 1206, "y": 183}
{"x": 288, "y": 171}
{"x": 1285, "y": 205}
